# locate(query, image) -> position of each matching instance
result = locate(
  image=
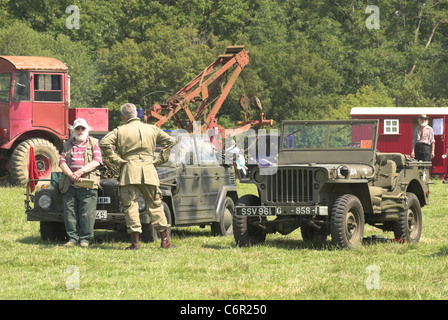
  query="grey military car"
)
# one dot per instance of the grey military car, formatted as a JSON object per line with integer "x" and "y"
{"x": 197, "y": 190}
{"x": 331, "y": 180}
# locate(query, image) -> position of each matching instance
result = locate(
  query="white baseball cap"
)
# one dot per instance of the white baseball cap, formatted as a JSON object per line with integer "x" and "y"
{"x": 80, "y": 122}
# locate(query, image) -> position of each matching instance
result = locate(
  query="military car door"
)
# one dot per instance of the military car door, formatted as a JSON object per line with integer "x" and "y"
{"x": 192, "y": 204}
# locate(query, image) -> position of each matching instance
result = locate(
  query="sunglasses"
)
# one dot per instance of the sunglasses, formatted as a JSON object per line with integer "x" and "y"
{"x": 80, "y": 128}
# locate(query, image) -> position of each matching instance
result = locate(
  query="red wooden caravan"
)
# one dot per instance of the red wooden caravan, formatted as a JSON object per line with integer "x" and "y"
{"x": 396, "y": 126}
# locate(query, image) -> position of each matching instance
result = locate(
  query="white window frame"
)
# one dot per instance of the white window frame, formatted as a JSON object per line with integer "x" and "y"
{"x": 391, "y": 126}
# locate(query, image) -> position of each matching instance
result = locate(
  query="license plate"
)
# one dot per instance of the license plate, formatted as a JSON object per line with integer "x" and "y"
{"x": 104, "y": 200}
{"x": 287, "y": 210}
{"x": 255, "y": 211}
{"x": 101, "y": 215}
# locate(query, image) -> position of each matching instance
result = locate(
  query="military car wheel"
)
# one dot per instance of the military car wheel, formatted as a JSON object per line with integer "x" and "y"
{"x": 245, "y": 230}
{"x": 149, "y": 234}
{"x": 225, "y": 226}
{"x": 52, "y": 231}
{"x": 347, "y": 221}
{"x": 409, "y": 224}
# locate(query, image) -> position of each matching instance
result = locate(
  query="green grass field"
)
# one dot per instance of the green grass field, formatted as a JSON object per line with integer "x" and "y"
{"x": 207, "y": 267}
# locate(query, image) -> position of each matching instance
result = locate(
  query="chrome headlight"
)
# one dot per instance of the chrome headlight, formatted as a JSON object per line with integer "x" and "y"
{"x": 45, "y": 201}
{"x": 141, "y": 203}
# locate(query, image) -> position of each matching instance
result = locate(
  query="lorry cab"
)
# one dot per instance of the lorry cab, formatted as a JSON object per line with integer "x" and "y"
{"x": 34, "y": 101}
{"x": 34, "y": 95}
{"x": 34, "y": 113}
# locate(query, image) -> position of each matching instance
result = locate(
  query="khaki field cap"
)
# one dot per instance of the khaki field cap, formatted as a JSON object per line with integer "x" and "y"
{"x": 423, "y": 116}
{"x": 80, "y": 122}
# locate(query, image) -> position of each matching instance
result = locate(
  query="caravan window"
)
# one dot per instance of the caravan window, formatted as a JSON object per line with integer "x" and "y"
{"x": 391, "y": 126}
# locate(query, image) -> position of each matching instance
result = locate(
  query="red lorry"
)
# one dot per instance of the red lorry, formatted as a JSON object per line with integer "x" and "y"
{"x": 35, "y": 99}
{"x": 34, "y": 112}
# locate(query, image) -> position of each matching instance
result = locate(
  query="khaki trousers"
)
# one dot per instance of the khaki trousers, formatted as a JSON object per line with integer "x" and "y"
{"x": 153, "y": 197}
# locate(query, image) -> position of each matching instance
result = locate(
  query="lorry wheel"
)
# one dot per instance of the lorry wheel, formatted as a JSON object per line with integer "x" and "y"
{"x": 52, "y": 231}
{"x": 347, "y": 221}
{"x": 149, "y": 234}
{"x": 225, "y": 226}
{"x": 409, "y": 224}
{"x": 47, "y": 160}
{"x": 244, "y": 231}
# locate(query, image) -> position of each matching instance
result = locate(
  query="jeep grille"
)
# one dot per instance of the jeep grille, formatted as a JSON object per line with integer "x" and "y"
{"x": 290, "y": 185}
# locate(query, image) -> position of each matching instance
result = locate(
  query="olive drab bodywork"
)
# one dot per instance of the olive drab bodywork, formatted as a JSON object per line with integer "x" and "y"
{"x": 197, "y": 189}
{"x": 331, "y": 180}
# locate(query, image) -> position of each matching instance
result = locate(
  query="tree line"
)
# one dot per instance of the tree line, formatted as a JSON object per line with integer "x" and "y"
{"x": 309, "y": 59}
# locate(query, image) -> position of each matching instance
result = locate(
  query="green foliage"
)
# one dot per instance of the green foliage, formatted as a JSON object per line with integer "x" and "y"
{"x": 19, "y": 39}
{"x": 308, "y": 59}
{"x": 366, "y": 96}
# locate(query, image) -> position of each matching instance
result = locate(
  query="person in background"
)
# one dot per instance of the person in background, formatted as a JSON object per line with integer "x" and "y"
{"x": 135, "y": 143}
{"x": 423, "y": 143}
{"x": 80, "y": 160}
{"x": 241, "y": 164}
{"x": 445, "y": 180}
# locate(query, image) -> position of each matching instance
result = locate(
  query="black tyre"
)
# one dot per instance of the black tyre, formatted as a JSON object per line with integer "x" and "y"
{"x": 347, "y": 222}
{"x": 245, "y": 230}
{"x": 313, "y": 235}
{"x": 52, "y": 231}
{"x": 149, "y": 234}
{"x": 47, "y": 160}
{"x": 225, "y": 226}
{"x": 409, "y": 224}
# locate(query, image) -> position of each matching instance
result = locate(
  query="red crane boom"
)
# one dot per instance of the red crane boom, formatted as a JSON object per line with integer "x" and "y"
{"x": 204, "y": 89}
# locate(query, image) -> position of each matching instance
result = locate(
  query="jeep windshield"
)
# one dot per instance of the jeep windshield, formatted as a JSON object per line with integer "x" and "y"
{"x": 343, "y": 141}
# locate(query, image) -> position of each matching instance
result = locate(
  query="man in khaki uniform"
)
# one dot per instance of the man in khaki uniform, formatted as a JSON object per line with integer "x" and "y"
{"x": 135, "y": 143}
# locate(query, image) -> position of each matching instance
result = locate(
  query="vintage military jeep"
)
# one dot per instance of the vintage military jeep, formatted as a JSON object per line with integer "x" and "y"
{"x": 197, "y": 190}
{"x": 330, "y": 180}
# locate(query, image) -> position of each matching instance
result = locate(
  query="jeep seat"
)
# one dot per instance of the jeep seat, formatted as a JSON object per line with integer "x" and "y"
{"x": 398, "y": 158}
{"x": 387, "y": 175}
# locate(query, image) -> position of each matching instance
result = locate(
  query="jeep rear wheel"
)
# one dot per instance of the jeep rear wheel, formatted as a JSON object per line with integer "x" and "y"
{"x": 245, "y": 230}
{"x": 225, "y": 226}
{"x": 347, "y": 221}
{"x": 409, "y": 224}
{"x": 149, "y": 234}
{"x": 313, "y": 235}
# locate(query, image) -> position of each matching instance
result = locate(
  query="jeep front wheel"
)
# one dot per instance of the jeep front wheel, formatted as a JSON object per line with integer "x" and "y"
{"x": 409, "y": 224}
{"x": 52, "y": 231}
{"x": 347, "y": 221}
{"x": 245, "y": 229}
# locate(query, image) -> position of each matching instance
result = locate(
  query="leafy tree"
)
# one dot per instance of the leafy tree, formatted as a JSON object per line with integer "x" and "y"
{"x": 19, "y": 39}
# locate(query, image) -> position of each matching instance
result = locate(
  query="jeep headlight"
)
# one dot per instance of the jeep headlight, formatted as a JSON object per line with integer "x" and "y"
{"x": 141, "y": 203}
{"x": 320, "y": 176}
{"x": 45, "y": 201}
{"x": 258, "y": 177}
